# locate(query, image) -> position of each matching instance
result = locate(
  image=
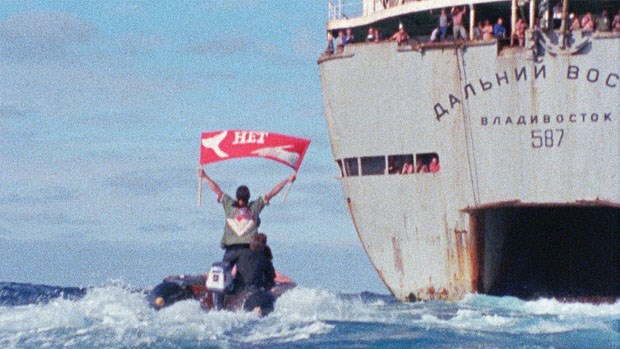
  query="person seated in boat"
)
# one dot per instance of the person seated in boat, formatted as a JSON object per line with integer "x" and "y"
{"x": 242, "y": 215}
{"x": 263, "y": 238}
{"x": 255, "y": 276}
{"x": 255, "y": 271}
{"x": 401, "y": 36}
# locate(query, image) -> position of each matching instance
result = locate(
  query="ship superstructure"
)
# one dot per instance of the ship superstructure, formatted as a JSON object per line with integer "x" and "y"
{"x": 479, "y": 165}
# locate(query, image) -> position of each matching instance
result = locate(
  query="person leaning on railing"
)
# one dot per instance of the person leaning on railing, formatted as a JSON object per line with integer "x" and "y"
{"x": 401, "y": 36}
{"x": 457, "y": 22}
{"x": 616, "y": 23}
{"x": 340, "y": 41}
{"x": 519, "y": 33}
{"x": 487, "y": 30}
{"x": 373, "y": 35}
{"x": 499, "y": 31}
{"x": 330, "y": 44}
{"x": 348, "y": 37}
{"x": 587, "y": 23}
{"x": 575, "y": 23}
{"x": 602, "y": 22}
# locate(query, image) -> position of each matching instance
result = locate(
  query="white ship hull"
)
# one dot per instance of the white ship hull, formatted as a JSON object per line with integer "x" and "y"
{"x": 527, "y": 199}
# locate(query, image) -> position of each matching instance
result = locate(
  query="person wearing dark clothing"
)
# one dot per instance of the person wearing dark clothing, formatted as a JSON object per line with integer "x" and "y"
{"x": 499, "y": 31}
{"x": 254, "y": 268}
{"x": 263, "y": 239}
{"x": 255, "y": 276}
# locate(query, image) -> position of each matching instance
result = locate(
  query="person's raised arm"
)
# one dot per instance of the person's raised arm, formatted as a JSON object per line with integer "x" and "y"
{"x": 214, "y": 187}
{"x": 279, "y": 187}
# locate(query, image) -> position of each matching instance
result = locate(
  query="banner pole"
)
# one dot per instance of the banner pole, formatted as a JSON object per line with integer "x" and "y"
{"x": 288, "y": 190}
{"x": 199, "y": 187}
{"x": 286, "y": 193}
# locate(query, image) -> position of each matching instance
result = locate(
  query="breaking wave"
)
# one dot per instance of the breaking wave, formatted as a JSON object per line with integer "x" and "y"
{"x": 115, "y": 315}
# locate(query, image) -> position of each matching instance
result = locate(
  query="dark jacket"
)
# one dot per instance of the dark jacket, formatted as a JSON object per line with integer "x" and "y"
{"x": 254, "y": 270}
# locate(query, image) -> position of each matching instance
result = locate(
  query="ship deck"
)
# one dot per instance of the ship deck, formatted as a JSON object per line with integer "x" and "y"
{"x": 420, "y": 17}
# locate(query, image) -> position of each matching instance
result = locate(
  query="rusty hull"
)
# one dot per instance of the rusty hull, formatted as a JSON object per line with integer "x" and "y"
{"x": 486, "y": 112}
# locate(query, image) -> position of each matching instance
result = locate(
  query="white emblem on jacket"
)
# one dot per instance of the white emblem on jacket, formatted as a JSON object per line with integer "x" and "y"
{"x": 242, "y": 221}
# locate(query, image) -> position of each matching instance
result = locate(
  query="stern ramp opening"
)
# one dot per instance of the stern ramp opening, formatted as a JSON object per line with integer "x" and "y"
{"x": 562, "y": 252}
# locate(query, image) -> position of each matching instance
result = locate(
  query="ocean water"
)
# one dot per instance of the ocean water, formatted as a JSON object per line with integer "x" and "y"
{"x": 117, "y": 316}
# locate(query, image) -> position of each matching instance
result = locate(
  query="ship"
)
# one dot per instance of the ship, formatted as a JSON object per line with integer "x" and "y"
{"x": 479, "y": 165}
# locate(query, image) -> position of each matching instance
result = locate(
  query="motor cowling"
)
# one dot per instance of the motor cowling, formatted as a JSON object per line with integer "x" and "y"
{"x": 219, "y": 278}
{"x": 219, "y": 281}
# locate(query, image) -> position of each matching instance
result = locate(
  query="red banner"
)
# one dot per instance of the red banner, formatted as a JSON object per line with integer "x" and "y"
{"x": 225, "y": 145}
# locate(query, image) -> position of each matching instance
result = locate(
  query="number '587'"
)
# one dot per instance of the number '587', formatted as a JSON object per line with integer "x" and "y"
{"x": 548, "y": 138}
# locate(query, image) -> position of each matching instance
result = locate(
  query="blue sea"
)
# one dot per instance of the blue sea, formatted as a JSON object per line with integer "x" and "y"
{"x": 117, "y": 316}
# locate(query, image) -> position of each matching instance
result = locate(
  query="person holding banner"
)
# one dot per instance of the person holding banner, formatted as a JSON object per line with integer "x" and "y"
{"x": 242, "y": 215}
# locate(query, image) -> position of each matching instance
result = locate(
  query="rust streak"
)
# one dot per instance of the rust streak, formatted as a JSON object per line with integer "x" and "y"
{"x": 461, "y": 252}
{"x": 398, "y": 259}
{"x": 476, "y": 254}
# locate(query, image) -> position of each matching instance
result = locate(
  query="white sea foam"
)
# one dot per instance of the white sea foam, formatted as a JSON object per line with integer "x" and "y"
{"x": 276, "y": 331}
{"x": 115, "y": 316}
{"x": 542, "y": 316}
{"x": 555, "y": 307}
{"x": 315, "y": 304}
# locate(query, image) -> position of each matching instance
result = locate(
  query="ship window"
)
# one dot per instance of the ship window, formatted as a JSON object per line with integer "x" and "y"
{"x": 350, "y": 167}
{"x": 339, "y": 162}
{"x": 427, "y": 162}
{"x": 373, "y": 165}
{"x": 400, "y": 164}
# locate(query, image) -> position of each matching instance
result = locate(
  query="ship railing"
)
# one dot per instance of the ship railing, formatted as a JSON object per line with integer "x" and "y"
{"x": 341, "y": 9}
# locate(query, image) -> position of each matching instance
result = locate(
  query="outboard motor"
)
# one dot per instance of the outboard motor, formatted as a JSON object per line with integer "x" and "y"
{"x": 219, "y": 282}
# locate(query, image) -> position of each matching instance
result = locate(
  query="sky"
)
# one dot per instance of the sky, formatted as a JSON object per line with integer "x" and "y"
{"x": 102, "y": 104}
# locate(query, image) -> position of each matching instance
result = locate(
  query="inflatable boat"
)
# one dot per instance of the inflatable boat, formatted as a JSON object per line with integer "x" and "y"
{"x": 215, "y": 291}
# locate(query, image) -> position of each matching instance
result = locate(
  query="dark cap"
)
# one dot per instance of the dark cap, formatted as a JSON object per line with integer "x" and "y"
{"x": 243, "y": 193}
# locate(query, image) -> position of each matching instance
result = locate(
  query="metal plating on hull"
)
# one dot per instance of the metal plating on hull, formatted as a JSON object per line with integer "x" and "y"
{"x": 527, "y": 196}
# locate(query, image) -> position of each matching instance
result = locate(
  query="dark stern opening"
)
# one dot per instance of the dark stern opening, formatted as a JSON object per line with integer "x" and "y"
{"x": 563, "y": 252}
